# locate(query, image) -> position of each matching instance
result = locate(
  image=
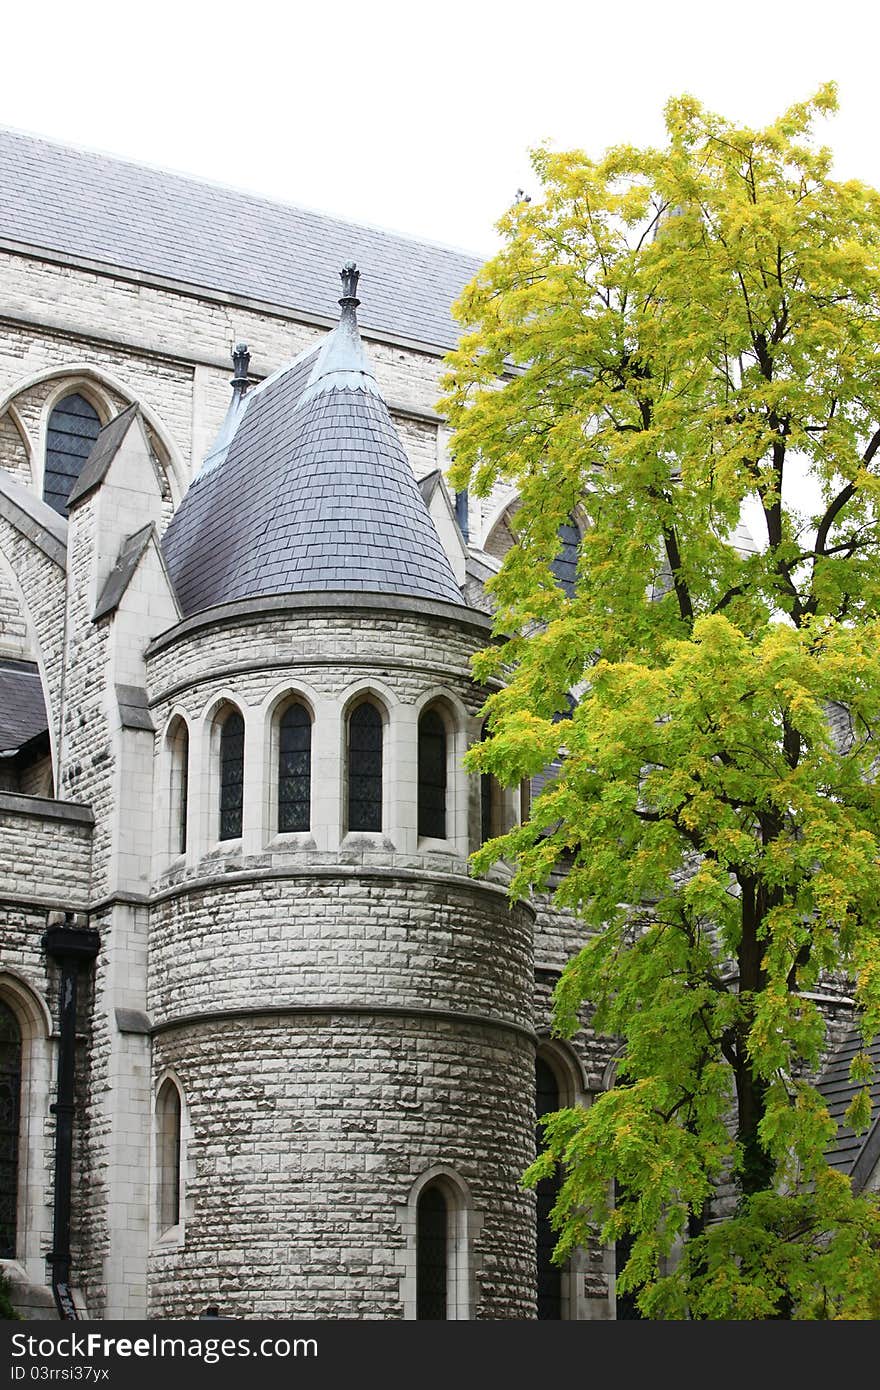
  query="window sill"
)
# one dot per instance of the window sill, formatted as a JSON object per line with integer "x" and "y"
{"x": 170, "y": 1239}
{"x": 366, "y": 840}
{"x": 292, "y": 840}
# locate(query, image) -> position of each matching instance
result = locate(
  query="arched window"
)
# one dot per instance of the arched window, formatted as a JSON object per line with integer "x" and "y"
{"x": 73, "y": 428}
{"x": 549, "y": 1274}
{"x": 432, "y": 775}
{"x": 491, "y": 801}
{"x": 294, "y": 769}
{"x": 432, "y": 1254}
{"x": 178, "y": 743}
{"x": 168, "y": 1153}
{"x": 564, "y": 566}
{"x": 231, "y": 776}
{"x": 10, "y": 1121}
{"x": 365, "y": 768}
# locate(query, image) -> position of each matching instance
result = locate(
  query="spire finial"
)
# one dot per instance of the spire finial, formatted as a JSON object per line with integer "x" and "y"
{"x": 241, "y": 361}
{"x": 350, "y": 276}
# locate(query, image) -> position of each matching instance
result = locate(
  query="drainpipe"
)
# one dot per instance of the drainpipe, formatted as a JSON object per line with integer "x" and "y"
{"x": 71, "y": 944}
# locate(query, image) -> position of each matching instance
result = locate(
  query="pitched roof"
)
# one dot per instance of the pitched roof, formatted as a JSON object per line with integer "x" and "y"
{"x": 22, "y": 708}
{"x": 83, "y": 204}
{"x": 850, "y": 1151}
{"x": 103, "y": 452}
{"x": 314, "y": 493}
{"x": 122, "y": 572}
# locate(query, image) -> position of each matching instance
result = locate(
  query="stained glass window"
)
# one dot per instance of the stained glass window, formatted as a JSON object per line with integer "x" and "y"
{"x": 231, "y": 776}
{"x": 365, "y": 768}
{"x": 73, "y": 428}
{"x": 294, "y": 768}
{"x": 432, "y": 775}
{"x": 10, "y": 1120}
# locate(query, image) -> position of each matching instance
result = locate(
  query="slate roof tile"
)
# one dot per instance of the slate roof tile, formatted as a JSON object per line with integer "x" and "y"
{"x": 294, "y": 506}
{"x": 837, "y": 1091}
{"x": 109, "y": 210}
{"x": 22, "y": 708}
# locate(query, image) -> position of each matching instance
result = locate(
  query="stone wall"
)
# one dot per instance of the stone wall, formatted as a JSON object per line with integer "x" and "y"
{"x": 306, "y": 1136}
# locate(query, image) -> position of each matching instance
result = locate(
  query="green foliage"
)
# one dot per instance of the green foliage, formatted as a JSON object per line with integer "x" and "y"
{"x": 7, "y": 1312}
{"x": 666, "y": 337}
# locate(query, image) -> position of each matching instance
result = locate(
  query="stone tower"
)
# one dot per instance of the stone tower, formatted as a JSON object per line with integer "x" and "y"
{"x": 341, "y": 1016}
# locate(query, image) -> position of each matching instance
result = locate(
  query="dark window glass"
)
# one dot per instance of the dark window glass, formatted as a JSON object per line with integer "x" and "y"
{"x": 294, "y": 768}
{"x": 73, "y": 429}
{"x": 485, "y": 807}
{"x": 231, "y": 776}
{"x": 549, "y": 1274}
{"x": 489, "y": 796}
{"x": 182, "y": 756}
{"x": 431, "y": 1255}
{"x": 432, "y": 776}
{"x": 564, "y": 565}
{"x": 10, "y": 1120}
{"x": 365, "y": 768}
{"x": 625, "y": 1303}
{"x": 169, "y": 1156}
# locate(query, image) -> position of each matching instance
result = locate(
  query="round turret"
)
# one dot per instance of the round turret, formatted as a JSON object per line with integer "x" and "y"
{"x": 343, "y": 1046}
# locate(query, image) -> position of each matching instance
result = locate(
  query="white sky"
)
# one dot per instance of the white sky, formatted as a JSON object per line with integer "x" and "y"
{"x": 419, "y": 117}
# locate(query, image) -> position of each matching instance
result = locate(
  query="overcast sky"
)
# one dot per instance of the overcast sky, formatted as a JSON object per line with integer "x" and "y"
{"x": 419, "y": 117}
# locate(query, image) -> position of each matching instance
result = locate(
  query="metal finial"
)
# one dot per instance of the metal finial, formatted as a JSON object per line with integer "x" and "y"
{"x": 241, "y": 360}
{"x": 350, "y": 276}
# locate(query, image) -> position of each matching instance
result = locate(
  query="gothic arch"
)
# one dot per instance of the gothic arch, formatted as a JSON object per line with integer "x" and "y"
{"x": 24, "y": 439}
{"x": 455, "y": 719}
{"x": 494, "y": 542}
{"x": 171, "y": 1134}
{"x": 567, "y": 1069}
{"x": 96, "y": 384}
{"x": 281, "y": 703}
{"x": 462, "y": 1228}
{"x": 205, "y": 740}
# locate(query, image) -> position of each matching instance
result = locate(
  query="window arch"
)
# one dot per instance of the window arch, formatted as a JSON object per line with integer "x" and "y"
{"x": 432, "y": 776}
{"x": 365, "y": 735}
{"x": 169, "y": 1127}
{"x": 73, "y": 427}
{"x": 564, "y": 564}
{"x": 231, "y": 775}
{"x": 10, "y": 1128}
{"x": 294, "y": 768}
{"x": 178, "y": 746}
{"x": 439, "y": 1224}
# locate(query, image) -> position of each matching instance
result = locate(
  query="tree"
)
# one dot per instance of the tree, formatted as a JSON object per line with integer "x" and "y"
{"x": 668, "y": 340}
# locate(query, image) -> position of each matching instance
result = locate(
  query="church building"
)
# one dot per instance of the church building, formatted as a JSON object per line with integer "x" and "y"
{"x": 266, "y": 1043}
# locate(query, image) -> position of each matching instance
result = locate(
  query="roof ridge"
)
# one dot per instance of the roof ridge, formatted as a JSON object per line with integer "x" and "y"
{"x": 202, "y": 181}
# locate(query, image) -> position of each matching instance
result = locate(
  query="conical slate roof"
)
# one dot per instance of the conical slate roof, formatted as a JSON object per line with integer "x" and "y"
{"x": 312, "y": 493}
